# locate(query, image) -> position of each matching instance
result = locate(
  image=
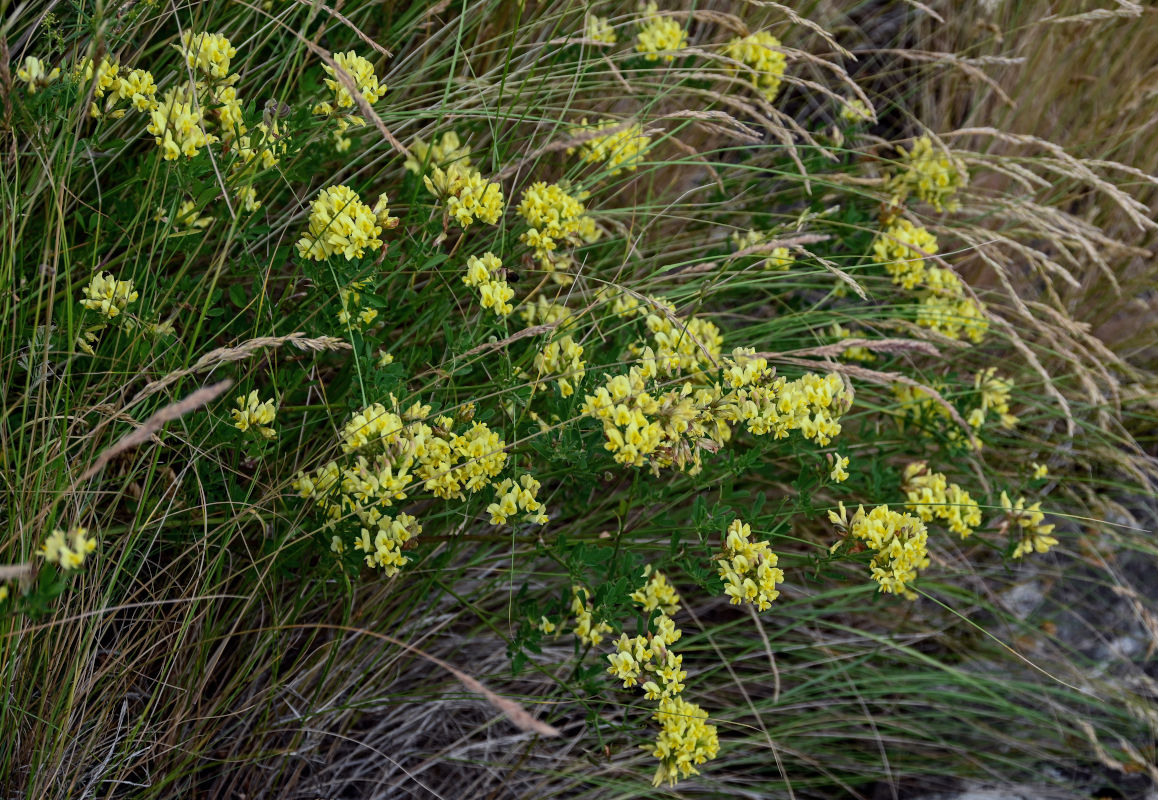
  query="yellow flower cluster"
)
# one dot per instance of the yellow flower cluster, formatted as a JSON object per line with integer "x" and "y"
{"x": 209, "y": 54}
{"x": 680, "y": 346}
{"x": 555, "y": 219}
{"x": 930, "y": 495}
{"x": 187, "y": 219}
{"x": 383, "y": 541}
{"x": 483, "y": 274}
{"x": 855, "y": 111}
{"x": 748, "y": 568}
{"x": 562, "y": 360}
{"x": 902, "y": 248}
{"x": 620, "y": 149}
{"x": 341, "y": 224}
{"x": 178, "y": 124}
{"x": 512, "y": 497}
{"x": 253, "y": 414}
{"x": 350, "y": 68}
{"x": 657, "y": 593}
{"x": 67, "y": 549}
{"x": 36, "y": 74}
{"x": 659, "y": 36}
{"x": 598, "y": 29}
{"x": 946, "y": 309}
{"x": 108, "y": 296}
{"x": 932, "y": 173}
{"x": 652, "y": 659}
{"x": 468, "y": 195}
{"x": 1034, "y": 537}
{"x": 545, "y": 312}
{"x": 779, "y": 258}
{"x": 839, "y": 473}
{"x": 439, "y": 153}
{"x": 994, "y": 391}
{"x": 899, "y": 541}
{"x": 587, "y": 629}
{"x": 856, "y": 352}
{"x": 353, "y": 312}
{"x": 760, "y": 53}
{"x": 685, "y": 740}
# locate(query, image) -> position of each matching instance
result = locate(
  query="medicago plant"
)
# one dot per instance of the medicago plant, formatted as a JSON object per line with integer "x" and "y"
{"x": 641, "y": 351}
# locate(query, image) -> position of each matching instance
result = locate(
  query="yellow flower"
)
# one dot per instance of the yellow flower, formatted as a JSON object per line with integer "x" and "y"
{"x": 657, "y": 593}
{"x": 1027, "y": 522}
{"x": 36, "y": 74}
{"x": 468, "y": 195}
{"x": 748, "y": 568}
{"x": 839, "y": 464}
{"x": 439, "y": 153}
{"x": 360, "y": 72}
{"x": 619, "y": 150}
{"x": 587, "y": 629}
{"x": 685, "y": 740}
{"x": 855, "y": 111}
{"x": 546, "y": 626}
{"x": 252, "y": 413}
{"x": 995, "y": 392}
{"x": 931, "y": 496}
{"x": 108, "y": 296}
{"x": 340, "y": 224}
{"x": 933, "y": 173}
{"x": 902, "y": 248}
{"x": 557, "y": 220}
{"x": 178, "y": 124}
{"x": 67, "y": 549}
{"x": 512, "y": 497}
{"x": 779, "y": 258}
{"x": 1039, "y": 471}
{"x": 561, "y": 359}
{"x": 207, "y": 53}
{"x": 659, "y": 36}
{"x": 761, "y": 54}
{"x": 598, "y": 29}
{"x": 899, "y": 541}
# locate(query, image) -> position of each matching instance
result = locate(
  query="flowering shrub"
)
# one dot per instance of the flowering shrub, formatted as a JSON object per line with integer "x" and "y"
{"x": 614, "y": 361}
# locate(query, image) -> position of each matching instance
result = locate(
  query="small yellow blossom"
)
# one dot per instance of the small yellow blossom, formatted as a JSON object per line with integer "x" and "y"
{"x": 36, "y": 74}
{"x": 764, "y": 59}
{"x": 361, "y": 72}
{"x": 587, "y": 629}
{"x": 598, "y": 29}
{"x": 562, "y": 360}
{"x": 659, "y": 36}
{"x": 839, "y": 467}
{"x": 108, "y": 296}
{"x": 994, "y": 391}
{"x": 511, "y": 497}
{"x": 779, "y": 258}
{"x": 1039, "y": 471}
{"x": 67, "y": 549}
{"x": 855, "y": 111}
{"x": 253, "y": 413}
{"x": 657, "y": 593}
{"x": 3, "y": 593}
{"x": 208, "y": 54}
{"x": 439, "y": 153}
{"x": 178, "y": 124}
{"x": 354, "y": 313}
{"x": 340, "y": 224}
{"x": 1034, "y": 537}
{"x": 546, "y": 626}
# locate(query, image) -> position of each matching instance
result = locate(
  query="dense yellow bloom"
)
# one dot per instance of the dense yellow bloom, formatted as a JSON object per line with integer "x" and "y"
{"x": 685, "y": 740}
{"x": 36, "y": 74}
{"x": 139, "y": 89}
{"x": 383, "y": 542}
{"x": 108, "y": 296}
{"x": 839, "y": 472}
{"x": 681, "y": 346}
{"x": 1039, "y": 471}
{"x": 512, "y": 497}
{"x": 67, "y": 549}
{"x": 1034, "y": 536}
{"x": 659, "y": 36}
{"x": 657, "y": 593}
{"x": 361, "y": 72}
{"x": 253, "y": 413}
{"x": 932, "y": 173}
{"x": 207, "y": 53}
{"x": 556, "y": 220}
{"x": 779, "y": 258}
{"x": 931, "y": 496}
{"x": 439, "y": 153}
{"x": 340, "y": 224}
{"x": 598, "y": 29}
{"x": 561, "y": 359}
{"x": 468, "y": 195}
{"x": 483, "y": 274}
{"x": 619, "y": 149}
{"x": 178, "y": 124}
{"x": 899, "y": 541}
{"x": 748, "y": 568}
{"x": 902, "y": 248}
{"x": 945, "y": 308}
{"x": 760, "y": 53}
